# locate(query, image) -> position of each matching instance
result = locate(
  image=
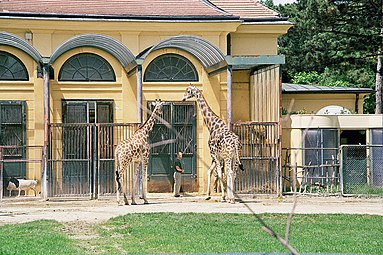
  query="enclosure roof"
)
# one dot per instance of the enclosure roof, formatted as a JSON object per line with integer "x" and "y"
{"x": 209, "y": 55}
{"x": 17, "y": 42}
{"x": 131, "y": 9}
{"x": 289, "y": 88}
{"x": 110, "y": 45}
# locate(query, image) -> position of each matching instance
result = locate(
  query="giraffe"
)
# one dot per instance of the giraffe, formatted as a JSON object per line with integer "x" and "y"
{"x": 223, "y": 144}
{"x": 135, "y": 149}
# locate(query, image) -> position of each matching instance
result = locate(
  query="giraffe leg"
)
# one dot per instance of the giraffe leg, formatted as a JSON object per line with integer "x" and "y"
{"x": 220, "y": 177}
{"x": 145, "y": 180}
{"x": 119, "y": 185}
{"x": 230, "y": 182}
{"x": 136, "y": 168}
{"x": 209, "y": 172}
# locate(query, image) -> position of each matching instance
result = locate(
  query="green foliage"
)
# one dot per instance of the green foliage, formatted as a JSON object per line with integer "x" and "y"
{"x": 337, "y": 40}
{"x": 306, "y": 78}
{"x": 38, "y": 237}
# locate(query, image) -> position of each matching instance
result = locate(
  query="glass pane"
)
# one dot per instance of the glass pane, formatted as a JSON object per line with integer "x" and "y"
{"x": 170, "y": 67}
{"x": 330, "y": 145}
{"x": 86, "y": 67}
{"x": 377, "y": 136}
{"x": 11, "y": 68}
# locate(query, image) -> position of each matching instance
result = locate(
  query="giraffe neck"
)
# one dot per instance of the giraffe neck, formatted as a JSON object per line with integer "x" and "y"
{"x": 149, "y": 123}
{"x": 212, "y": 121}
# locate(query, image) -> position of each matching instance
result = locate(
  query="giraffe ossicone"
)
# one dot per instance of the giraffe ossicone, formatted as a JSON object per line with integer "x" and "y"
{"x": 224, "y": 145}
{"x": 135, "y": 150}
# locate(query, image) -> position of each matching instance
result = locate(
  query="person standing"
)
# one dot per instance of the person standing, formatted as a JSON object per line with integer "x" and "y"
{"x": 178, "y": 170}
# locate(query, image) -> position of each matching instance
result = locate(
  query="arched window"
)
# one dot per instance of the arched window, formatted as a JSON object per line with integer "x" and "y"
{"x": 86, "y": 67}
{"x": 170, "y": 67}
{"x": 11, "y": 68}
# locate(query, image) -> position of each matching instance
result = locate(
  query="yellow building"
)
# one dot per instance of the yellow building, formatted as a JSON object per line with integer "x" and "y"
{"x": 328, "y": 144}
{"x": 67, "y": 63}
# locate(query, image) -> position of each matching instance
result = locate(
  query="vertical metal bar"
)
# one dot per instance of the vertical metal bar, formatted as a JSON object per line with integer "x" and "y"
{"x": 139, "y": 93}
{"x": 229, "y": 93}
{"x": 1, "y": 173}
{"x": 44, "y": 191}
{"x": 95, "y": 159}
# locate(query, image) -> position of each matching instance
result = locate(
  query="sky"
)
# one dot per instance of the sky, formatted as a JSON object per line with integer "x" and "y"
{"x": 276, "y": 2}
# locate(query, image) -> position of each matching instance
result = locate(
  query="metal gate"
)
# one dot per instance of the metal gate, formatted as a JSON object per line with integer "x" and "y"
{"x": 260, "y": 156}
{"x": 13, "y": 135}
{"x": 176, "y": 131}
{"x": 81, "y": 160}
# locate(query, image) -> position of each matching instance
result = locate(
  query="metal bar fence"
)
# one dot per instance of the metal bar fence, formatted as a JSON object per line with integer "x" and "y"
{"x": 108, "y": 137}
{"x": 82, "y": 158}
{"x": 352, "y": 170}
{"x": 306, "y": 171}
{"x": 260, "y": 156}
{"x": 12, "y": 164}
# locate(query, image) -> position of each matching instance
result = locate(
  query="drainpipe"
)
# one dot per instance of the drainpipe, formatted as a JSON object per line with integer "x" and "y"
{"x": 44, "y": 176}
{"x": 139, "y": 93}
{"x": 229, "y": 90}
{"x": 139, "y": 118}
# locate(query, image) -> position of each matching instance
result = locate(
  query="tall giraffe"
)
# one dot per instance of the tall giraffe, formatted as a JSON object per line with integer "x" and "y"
{"x": 135, "y": 149}
{"x": 223, "y": 144}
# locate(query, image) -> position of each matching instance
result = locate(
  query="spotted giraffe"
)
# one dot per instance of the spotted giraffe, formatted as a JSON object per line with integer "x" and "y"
{"x": 223, "y": 144}
{"x": 135, "y": 149}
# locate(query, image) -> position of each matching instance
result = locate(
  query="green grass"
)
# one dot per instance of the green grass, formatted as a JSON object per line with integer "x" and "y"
{"x": 38, "y": 237}
{"x": 200, "y": 233}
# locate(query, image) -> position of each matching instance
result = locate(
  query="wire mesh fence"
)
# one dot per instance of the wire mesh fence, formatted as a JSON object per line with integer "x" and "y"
{"x": 351, "y": 170}
{"x": 362, "y": 169}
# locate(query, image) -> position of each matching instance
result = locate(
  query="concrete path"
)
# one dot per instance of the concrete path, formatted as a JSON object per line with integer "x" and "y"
{"x": 19, "y": 210}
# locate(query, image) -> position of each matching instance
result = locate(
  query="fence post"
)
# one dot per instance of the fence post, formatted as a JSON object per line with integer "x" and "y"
{"x": 341, "y": 169}
{"x": 44, "y": 176}
{"x": 295, "y": 168}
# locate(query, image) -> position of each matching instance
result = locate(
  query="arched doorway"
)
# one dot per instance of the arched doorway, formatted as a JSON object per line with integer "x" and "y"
{"x": 176, "y": 130}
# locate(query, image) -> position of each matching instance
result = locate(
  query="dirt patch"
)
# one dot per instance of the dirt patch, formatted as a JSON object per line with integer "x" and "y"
{"x": 82, "y": 212}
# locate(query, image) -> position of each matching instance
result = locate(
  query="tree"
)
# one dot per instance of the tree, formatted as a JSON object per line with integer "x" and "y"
{"x": 340, "y": 40}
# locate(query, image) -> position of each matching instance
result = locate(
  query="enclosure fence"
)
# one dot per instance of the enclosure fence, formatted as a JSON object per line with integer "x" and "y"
{"x": 260, "y": 156}
{"x": 317, "y": 174}
{"x": 81, "y": 160}
{"x": 21, "y": 162}
{"x": 362, "y": 169}
{"x": 347, "y": 170}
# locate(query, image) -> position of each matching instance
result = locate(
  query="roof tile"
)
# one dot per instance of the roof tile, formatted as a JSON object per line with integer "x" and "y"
{"x": 245, "y": 8}
{"x": 181, "y": 8}
{"x": 140, "y": 8}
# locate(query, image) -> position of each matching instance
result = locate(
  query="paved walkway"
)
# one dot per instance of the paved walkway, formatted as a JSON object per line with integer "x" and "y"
{"x": 19, "y": 210}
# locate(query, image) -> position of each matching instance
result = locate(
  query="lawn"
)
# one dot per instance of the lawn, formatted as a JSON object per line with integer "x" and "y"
{"x": 198, "y": 233}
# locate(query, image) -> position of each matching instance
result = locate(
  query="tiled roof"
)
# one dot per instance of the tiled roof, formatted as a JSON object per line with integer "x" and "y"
{"x": 146, "y": 8}
{"x": 138, "y": 8}
{"x": 288, "y": 88}
{"x": 245, "y": 8}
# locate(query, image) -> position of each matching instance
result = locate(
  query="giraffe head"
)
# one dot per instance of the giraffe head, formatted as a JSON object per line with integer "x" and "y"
{"x": 191, "y": 91}
{"x": 157, "y": 107}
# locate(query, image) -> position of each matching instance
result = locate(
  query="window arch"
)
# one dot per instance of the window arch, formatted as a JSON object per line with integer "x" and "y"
{"x": 170, "y": 67}
{"x": 86, "y": 67}
{"x": 11, "y": 68}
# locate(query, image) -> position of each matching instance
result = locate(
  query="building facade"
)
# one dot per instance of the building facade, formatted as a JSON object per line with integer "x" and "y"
{"x": 105, "y": 62}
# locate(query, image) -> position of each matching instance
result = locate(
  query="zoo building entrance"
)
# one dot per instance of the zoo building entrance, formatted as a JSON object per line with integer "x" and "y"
{"x": 74, "y": 146}
{"x": 174, "y": 131}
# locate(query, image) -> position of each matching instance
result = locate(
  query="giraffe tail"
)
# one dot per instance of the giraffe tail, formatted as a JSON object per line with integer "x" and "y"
{"x": 239, "y": 146}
